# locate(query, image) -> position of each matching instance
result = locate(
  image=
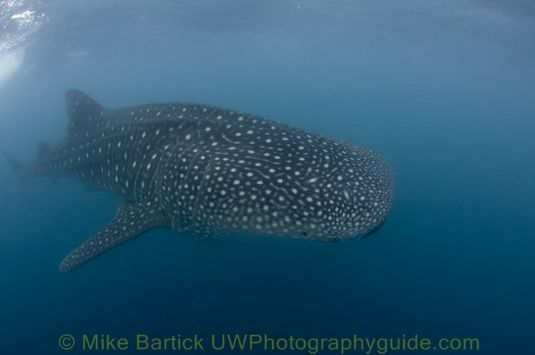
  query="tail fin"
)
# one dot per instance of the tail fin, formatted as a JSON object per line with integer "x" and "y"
{"x": 18, "y": 167}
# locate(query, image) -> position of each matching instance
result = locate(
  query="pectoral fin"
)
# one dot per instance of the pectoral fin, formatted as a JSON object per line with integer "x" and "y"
{"x": 131, "y": 220}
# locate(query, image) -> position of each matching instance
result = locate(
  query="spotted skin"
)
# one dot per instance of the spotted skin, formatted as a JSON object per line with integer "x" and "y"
{"x": 210, "y": 172}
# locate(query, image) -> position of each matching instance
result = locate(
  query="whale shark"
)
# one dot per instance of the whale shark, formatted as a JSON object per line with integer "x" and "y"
{"x": 211, "y": 172}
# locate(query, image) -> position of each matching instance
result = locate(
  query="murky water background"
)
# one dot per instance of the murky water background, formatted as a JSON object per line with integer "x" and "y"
{"x": 444, "y": 90}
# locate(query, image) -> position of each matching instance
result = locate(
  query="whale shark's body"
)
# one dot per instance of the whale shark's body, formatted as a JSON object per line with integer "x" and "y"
{"x": 207, "y": 171}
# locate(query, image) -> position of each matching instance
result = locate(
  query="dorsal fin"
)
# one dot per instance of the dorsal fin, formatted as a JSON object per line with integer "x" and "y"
{"x": 85, "y": 113}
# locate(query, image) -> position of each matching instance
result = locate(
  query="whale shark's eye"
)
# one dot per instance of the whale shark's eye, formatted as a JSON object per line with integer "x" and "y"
{"x": 304, "y": 233}
{"x": 336, "y": 240}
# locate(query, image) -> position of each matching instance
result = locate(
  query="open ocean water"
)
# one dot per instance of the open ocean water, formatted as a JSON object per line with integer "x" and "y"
{"x": 444, "y": 90}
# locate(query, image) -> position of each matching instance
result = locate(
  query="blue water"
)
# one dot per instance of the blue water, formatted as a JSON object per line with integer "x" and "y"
{"x": 444, "y": 90}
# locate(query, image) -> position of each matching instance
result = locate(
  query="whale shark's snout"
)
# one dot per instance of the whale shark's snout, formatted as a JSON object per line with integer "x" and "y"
{"x": 349, "y": 197}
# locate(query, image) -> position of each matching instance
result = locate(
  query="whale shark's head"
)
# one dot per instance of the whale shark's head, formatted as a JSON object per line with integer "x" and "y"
{"x": 349, "y": 196}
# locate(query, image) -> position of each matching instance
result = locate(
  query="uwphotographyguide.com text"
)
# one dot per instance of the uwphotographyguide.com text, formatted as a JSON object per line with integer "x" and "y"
{"x": 255, "y": 343}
